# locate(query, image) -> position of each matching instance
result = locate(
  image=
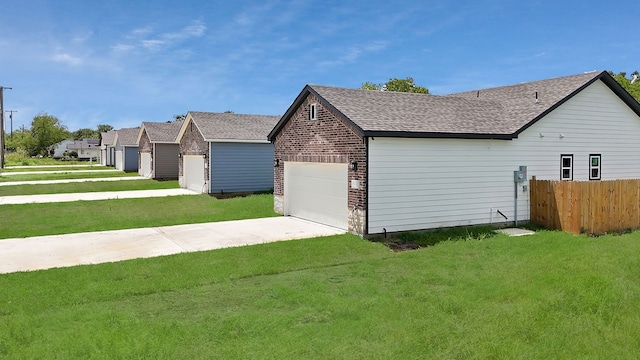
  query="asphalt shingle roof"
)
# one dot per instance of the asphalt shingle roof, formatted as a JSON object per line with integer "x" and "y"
{"x": 501, "y": 111}
{"x": 408, "y": 112}
{"x": 229, "y": 126}
{"x": 519, "y": 101}
{"x": 106, "y": 138}
{"x": 162, "y": 131}
{"x": 128, "y": 136}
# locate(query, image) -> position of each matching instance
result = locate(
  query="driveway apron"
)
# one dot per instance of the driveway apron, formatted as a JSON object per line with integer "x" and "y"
{"x": 44, "y": 252}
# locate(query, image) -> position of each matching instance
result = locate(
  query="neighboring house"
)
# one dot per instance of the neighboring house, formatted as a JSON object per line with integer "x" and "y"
{"x": 126, "y": 149}
{"x": 60, "y": 148}
{"x": 226, "y": 152}
{"x": 107, "y": 151}
{"x": 85, "y": 148}
{"x": 158, "y": 150}
{"x": 374, "y": 162}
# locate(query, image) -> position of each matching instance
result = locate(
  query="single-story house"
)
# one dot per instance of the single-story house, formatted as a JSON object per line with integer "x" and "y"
{"x": 107, "y": 151}
{"x": 58, "y": 150}
{"x": 85, "y": 148}
{"x": 373, "y": 162}
{"x": 226, "y": 152}
{"x": 158, "y": 150}
{"x": 126, "y": 149}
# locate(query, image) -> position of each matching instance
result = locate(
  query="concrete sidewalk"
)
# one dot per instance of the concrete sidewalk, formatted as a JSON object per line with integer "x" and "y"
{"x": 63, "y": 181}
{"x": 44, "y": 252}
{"x": 88, "y": 196}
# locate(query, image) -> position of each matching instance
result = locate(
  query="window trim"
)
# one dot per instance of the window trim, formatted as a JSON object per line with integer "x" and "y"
{"x": 313, "y": 111}
{"x": 591, "y": 167}
{"x": 562, "y": 167}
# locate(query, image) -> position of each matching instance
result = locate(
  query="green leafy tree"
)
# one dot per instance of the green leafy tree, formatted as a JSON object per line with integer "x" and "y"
{"x": 104, "y": 128}
{"x": 85, "y": 133}
{"x": 398, "y": 85}
{"x": 631, "y": 84}
{"x": 179, "y": 117}
{"x": 46, "y": 130}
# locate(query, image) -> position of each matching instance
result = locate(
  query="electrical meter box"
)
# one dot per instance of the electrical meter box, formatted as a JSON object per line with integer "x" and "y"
{"x": 520, "y": 176}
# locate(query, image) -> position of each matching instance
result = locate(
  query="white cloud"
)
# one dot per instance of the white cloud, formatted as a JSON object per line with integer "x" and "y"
{"x": 139, "y": 32}
{"x": 146, "y": 38}
{"x": 354, "y": 53}
{"x": 122, "y": 48}
{"x": 81, "y": 38}
{"x": 153, "y": 44}
{"x": 67, "y": 59}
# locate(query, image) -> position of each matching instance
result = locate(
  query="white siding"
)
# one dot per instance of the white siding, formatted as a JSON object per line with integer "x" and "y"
{"x": 430, "y": 183}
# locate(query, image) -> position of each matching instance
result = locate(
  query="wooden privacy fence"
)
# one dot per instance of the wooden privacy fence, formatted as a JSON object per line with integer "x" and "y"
{"x": 593, "y": 207}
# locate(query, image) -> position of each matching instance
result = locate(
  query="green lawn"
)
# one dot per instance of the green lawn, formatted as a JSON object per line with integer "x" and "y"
{"x": 547, "y": 296}
{"x": 81, "y": 216}
{"x": 57, "y": 168}
{"x": 90, "y": 186}
{"x": 66, "y": 175}
{"x": 17, "y": 159}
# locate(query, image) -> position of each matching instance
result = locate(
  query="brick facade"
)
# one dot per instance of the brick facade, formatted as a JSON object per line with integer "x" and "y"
{"x": 325, "y": 140}
{"x": 145, "y": 146}
{"x": 192, "y": 143}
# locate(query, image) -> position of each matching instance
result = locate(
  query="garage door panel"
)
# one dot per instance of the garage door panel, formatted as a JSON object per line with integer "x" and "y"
{"x": 317, "y": 192}
{"x": 193, "y": 168}
{"x": 145, "y": 164}
{"x": 119, "y": 162}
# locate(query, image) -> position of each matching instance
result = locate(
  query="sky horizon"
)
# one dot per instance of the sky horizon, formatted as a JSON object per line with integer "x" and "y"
{"x": 124, "y": 62}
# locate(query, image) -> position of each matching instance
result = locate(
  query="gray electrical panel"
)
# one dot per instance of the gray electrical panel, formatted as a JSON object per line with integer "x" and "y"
{"x": 520, "y": 176}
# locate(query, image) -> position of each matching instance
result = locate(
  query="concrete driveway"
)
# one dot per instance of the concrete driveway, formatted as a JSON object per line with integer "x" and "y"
{"x": 44, "y": 252}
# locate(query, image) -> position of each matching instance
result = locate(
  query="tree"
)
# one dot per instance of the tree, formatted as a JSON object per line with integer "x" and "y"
{"x": 104, "y": 128}
{"x": 85, "y": 133}
{"x": 179, "y": 117}
{"x": 46, "y": 130}
{"x": 632, "y": 86}
{"x": 398, "y": 85}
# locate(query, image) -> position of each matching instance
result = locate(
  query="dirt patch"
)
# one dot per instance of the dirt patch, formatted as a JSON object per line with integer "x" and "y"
{"x": 399, "y": 246}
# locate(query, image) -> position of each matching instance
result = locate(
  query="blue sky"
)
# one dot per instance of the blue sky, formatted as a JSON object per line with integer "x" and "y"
{"x": 123, "y": 62}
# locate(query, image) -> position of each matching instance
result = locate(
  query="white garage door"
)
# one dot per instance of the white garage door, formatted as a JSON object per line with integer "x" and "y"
{"x": 193, "y": 169}
{"x": 317, "y": 192}
{"x": 119, "y": 160}
{"x": 145, "y": 165}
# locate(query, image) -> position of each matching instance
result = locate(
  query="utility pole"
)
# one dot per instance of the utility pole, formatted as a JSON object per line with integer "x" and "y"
{"x": 2, "y": 143}
{"x": 11, "y": 122}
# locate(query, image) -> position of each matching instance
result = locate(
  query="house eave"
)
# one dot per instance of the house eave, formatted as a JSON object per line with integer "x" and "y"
{"x": 250, "y": 141}
{"x": 437, "y": 135}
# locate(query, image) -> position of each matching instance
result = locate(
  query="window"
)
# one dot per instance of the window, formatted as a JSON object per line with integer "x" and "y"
{"x": 313, "y": 115}
{"x": 566, "y": 167}
{"x": 594, "y": 166}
